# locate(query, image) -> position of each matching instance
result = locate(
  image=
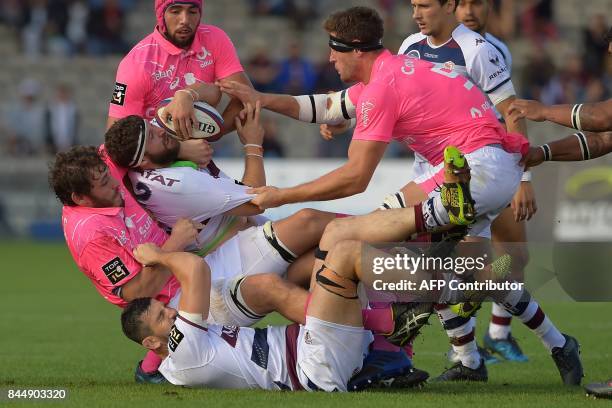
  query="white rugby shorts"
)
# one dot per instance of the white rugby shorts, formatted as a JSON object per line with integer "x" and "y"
{"x": 329, "y": 354}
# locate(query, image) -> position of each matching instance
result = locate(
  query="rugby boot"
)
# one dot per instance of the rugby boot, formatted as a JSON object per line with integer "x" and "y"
{"x": 414, "y": 378}
{"x": 459, "y": 372}
{"x": 148, "y": 378}
{"x": 567, "y": 359}
{"x": 378, "y": 366}
{"x": 408, "y": 319}
{"x": 600, "y": 390}
{"x": 507, "y": 348}
{"x": 455, "y": 192}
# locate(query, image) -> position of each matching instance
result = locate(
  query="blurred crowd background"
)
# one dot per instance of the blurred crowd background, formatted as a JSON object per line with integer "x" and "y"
{"x": 59, "y": 59}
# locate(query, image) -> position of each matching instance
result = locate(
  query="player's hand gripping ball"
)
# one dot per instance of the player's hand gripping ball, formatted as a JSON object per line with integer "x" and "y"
{"x": 208, "y": 125}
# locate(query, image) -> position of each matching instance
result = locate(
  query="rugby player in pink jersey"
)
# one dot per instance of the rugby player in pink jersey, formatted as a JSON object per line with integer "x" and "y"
{"x": 103, "y": 224}
{"x": 427, "y": 107}
{"x": 181, "y": 58}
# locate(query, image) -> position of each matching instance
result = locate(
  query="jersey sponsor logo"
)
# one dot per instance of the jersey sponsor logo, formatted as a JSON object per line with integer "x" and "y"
{"x": 161, "y": 74}
{"x": 308, "y": 337}
{"x": 115, "y": 271}
{"x": 190, "y": 78}
{"x": 430, "y": 55}
{"x": 119, "y": 94}
{"x": 366, "y": 107}
{"x": 497, "y": 73}
{"x": 158, "y": 178}
{"x": 202, "y": 55}
{"x": 230, "y": 335}
{"x": 175, "y": 338}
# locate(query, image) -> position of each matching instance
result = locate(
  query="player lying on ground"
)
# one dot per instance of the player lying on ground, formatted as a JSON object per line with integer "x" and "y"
{"x": 322, "y": 354}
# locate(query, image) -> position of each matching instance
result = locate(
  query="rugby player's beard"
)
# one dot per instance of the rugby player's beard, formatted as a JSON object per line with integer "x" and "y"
{"x": 181, "y": 43}
{"x": 168, "y": 157}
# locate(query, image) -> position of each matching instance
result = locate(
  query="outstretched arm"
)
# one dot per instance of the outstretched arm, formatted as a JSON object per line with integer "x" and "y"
{"x": 595, "y": 117}
{"x": 350, "y": 179}
{"x": 576, "y": 147}
{"x": 332, "y": 108}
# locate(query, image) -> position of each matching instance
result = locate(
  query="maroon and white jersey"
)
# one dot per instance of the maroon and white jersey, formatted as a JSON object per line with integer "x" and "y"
{"x": 231, "y": 357}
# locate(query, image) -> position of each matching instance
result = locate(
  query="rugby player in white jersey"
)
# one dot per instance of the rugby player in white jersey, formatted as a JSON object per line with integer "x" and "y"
{"x": 171, "y": 191}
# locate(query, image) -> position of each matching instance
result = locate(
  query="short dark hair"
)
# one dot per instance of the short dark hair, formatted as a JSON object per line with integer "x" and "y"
{"x": 362, "y": 24}
{"x": 72, "y": 172}
{"x": 131, "y": 320}
{"x": 443, "y": 2}
{"x": 120, "y": 141}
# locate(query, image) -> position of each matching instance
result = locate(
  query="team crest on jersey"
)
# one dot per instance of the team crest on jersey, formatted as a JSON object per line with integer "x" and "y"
{"x": 307, "y": 337}
{"x": 230, "y": 334}
{"x": 494, "y": 58}
{"x": 414, "y": 54}
{"x": 119, "y": 94}
{"x": 174, "y": 339}
{"x": 115, "y": 271}
{"x": 450, "y": 65}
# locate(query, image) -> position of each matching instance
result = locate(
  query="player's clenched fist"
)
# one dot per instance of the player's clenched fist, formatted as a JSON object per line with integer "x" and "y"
{"x": 147, "y": 254}
{"x": 197, "y": 151}
{"x": 185, "y": 232}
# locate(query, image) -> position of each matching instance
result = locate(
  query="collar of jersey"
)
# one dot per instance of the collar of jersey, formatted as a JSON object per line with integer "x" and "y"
{"x": 173, "y": 49}
{"x": 452, "y": 37}
{"x": 111, "y": 211}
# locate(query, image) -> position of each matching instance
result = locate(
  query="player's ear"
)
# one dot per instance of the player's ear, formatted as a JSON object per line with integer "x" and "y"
{"x": 80, "y": 199}
{"x": 151, "y": 343}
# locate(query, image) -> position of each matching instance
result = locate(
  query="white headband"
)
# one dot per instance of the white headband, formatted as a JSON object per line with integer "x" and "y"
{"x": 140, "y": 147}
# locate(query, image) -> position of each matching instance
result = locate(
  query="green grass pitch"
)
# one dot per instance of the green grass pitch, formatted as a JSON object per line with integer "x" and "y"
{"x": 56, "y": 332}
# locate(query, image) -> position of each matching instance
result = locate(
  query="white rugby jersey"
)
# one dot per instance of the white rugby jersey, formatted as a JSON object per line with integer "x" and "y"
{"x": 231, "y": 357}
{"x": 470, "y": 54}
{"x": 185, "y": 192}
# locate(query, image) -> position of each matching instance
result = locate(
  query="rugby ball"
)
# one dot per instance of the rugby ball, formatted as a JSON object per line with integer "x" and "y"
{"x": 209, "y": 121}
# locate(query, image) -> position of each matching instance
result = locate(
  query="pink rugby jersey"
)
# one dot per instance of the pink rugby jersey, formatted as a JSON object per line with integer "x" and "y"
{"x": 155, "y": 69}
{"x": 407, "y": 100}
{"x": 101, "y": 241}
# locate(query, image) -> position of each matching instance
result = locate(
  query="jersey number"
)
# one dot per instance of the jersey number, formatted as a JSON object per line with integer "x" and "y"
{"x": 142, "y": 192}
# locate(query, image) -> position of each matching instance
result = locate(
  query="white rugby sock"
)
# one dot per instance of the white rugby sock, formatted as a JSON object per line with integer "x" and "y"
{"x": 499, "y": 327}
{"x": 434, "y": 213}
{"x": 460, "y": 331}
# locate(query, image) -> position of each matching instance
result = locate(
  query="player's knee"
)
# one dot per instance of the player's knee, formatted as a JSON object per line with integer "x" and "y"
{"x": 336, "y": 231}
{"x": 347, "y": 252}
{"x": 312, "y": 221}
